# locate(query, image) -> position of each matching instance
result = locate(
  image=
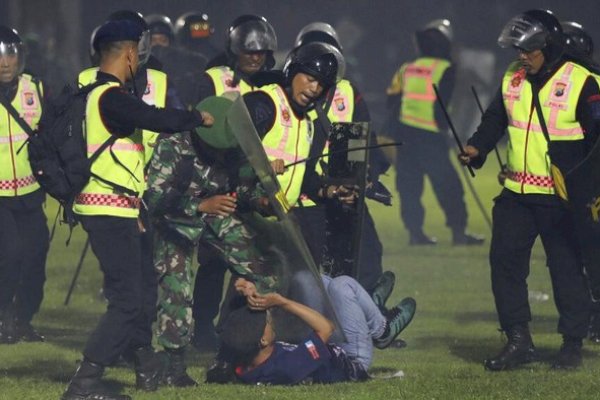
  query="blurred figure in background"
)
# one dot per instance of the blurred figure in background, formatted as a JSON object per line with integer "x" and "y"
{"x": 194, "y": 33}
{"x": 417, "y": 120}
{"x": 23, "y": 234}
{"x": 183, "y": 67}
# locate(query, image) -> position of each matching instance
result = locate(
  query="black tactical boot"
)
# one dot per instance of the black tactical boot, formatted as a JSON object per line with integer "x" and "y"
{"x": 462, "y": 238}
{"x": 569, "y": 356}
{"x": 27, "y": 333}
{"x": 205, "y": 338}
{"x": 8, "y": 327}
{"x": 148, "y": 369}
{"x": 220, "y": 372}
{"x": 418, "y": 238}
{"x": 594, "y": 329}
{"x": 518, "y": 350}
{"x": 176, "y": 373}
{"x": 86, "y": 384}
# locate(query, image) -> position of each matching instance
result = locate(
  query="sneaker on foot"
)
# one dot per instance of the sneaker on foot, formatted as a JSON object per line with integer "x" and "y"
{"x": 383, "y": 288}
{"x": 397, "y": 318}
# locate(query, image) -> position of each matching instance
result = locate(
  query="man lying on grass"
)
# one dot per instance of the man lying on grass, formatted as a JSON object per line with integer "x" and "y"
{"x": 250, "y": 334}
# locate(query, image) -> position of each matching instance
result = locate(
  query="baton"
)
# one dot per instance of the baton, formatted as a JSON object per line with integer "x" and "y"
{"x": 481, "y": 109}
{"x": 459, "y": 144}
{"x": 77, "y": 270}
{"x": 374, "y": 146}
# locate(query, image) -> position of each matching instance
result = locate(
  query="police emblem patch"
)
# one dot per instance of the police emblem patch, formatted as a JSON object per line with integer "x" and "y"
{"x": 285, "y": 114}
{"x": 29, "y": 99}
{"x": 559, "y": 89}
{"x": 339, "y": 104}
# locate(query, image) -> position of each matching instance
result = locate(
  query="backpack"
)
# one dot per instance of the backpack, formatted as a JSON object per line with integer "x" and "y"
{"x": 58, "y": 148}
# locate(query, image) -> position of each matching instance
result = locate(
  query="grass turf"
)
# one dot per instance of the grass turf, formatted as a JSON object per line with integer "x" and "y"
{"x": 454, "y": 329}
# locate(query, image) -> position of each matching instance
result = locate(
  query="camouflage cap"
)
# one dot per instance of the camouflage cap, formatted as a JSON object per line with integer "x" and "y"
{"x": 219, "y": 135}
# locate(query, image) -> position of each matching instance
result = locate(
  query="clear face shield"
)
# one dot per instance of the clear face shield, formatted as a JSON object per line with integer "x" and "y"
{"x": 144, "y": 47}
{"x": 12, "y": 61}
{"x": 253, "y": 36}
{"x": 524, "y": 33}
{"x": 322, "y": 27}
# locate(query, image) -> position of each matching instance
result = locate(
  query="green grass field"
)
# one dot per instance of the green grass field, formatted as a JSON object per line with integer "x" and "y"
{"x": 454, "y": 329}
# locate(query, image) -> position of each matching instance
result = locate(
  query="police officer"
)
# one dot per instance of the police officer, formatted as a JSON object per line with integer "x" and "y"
{"x": 550, "y": 106}
{"x": 279, "y": 113}
{"x": 108, "y": 207}
{"x": 24, "y": 234}
{"x": 417, "y": 120}
{"x": 181, "y": 65}
{"x": 251, "y": 41}
{"x": 580, "y": 43}
{"x": 342, "y": 103}
{"x": 194, "y": 31}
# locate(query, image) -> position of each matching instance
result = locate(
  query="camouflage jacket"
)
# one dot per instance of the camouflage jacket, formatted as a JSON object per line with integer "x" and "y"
{"x": 178, "y": 181}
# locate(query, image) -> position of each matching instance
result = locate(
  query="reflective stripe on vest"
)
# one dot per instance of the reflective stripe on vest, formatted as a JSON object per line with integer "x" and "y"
{"x": 418, "y": 96}
{"x": 527, "y": 160}
{"x": 222, "y": 78}
{"x": 155, "y": 94}
{"x": 289, "y": 139}
{"x": 16, "y": 177}
{"x": 97, "y": 197}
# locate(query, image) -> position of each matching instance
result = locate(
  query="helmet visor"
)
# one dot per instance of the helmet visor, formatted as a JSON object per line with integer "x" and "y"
{"x": 524, "y": 33}
{"x": 253, "y": 36}
{"x": 144, "y": 46}
{"x": 12, "y": 61}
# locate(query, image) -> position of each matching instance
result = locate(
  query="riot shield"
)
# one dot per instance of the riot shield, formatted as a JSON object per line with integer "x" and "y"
{"x": 298, "y": 277}
{"x": 583, "y": 189}
{"x": 344, "y": 222}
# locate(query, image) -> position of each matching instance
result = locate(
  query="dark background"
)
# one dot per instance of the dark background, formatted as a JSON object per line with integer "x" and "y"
{"x": 376, "y": 34}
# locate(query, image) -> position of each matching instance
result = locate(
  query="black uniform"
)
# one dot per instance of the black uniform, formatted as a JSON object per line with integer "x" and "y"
{"x": 129, "y": 284}
{"x": 519, "y": 218}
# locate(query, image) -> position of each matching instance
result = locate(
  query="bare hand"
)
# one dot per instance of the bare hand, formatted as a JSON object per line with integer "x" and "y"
{"x": 469, "y": 154}
{"x": 245, "y": 287}
{"x": 278, "y": 166}
{"x": 207, "y": 119}
{"x": 264, "y": 302}
{"x": 221, "y": 204}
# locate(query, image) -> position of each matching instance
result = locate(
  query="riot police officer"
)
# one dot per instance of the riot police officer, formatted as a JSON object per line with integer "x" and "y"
{"x": 528, "y": 104}
{"x": 251, "y": 41}
{"x": 194, "y": 31}
{"x": 416, "y": 119}
{"x": 24, "y": 234}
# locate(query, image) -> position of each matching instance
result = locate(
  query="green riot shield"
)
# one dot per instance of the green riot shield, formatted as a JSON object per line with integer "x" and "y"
{"x": 298, "y": 277}
{"x": 344, "y": 222}
{"x": 583, "y": 190}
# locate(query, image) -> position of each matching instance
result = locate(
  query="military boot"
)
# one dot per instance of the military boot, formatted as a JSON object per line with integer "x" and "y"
{"x": 8, "y": 327}
{"x": 518, "y": 350}
{"x": 149, "y": 369}
{"x": 569, "y": 357}
{"x": 86, "y": 384}
{"x": 176, "y": 373}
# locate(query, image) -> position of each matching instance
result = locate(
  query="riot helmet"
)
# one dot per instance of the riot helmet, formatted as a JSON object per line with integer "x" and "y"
{"x": 94, "y": 55}
{"x": 318, "y": 32}
{"x": 577, "y": 38}
{"x": 192, "y": 27}
{"x": 12, "y": 54}
{"x": 159, "y": 24}
{"x": 435, "y": 39}
{"x": 138, "y": 19}
{"x": 251, "y": 33}
{"x": 324, "y": 33}
{"x": 319, "y": 60}
{"x": 534, "y": 30}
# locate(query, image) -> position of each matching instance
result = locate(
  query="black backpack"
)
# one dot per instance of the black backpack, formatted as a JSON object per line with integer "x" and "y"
{"x": 58, "y": 149}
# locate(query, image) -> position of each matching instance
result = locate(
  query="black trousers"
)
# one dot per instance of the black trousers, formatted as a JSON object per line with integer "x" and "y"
{"x": 130, "y": 286}
{"x": 518, "y": 221}
{"x": 426, "y": 154}
{"x": 23, "y": 249}
{"x": 208, "y": 286}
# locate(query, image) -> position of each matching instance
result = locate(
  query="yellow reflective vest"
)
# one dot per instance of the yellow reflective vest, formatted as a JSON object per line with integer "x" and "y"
{"x": 16, "y": 177}
{"x": 289, "y": 139}
{"x": 528, "y": 163}
{"x": 155, "y": 94}
{"x": 222, "y": 78}
{"x": 414, "y": 81}
{"x": 121, "y": 164}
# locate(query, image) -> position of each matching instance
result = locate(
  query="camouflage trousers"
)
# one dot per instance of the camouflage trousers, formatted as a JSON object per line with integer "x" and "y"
{"x": 234, "y": 241}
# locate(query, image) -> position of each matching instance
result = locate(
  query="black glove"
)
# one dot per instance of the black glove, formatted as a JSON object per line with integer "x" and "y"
{"x": 376, "y": 191}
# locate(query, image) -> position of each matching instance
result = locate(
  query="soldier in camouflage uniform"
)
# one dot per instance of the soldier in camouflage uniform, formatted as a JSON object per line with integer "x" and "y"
{"x": 196, "y": 185}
